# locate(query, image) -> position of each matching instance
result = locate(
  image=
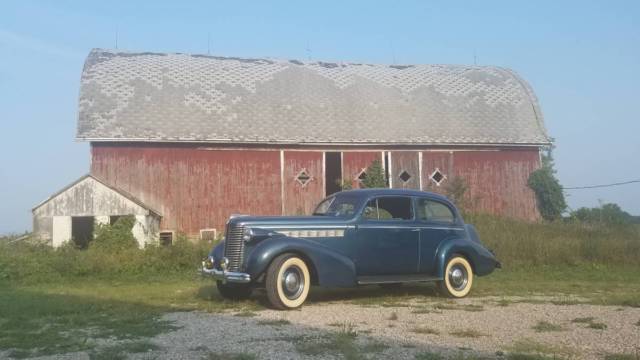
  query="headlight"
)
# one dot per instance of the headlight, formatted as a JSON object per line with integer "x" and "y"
{"x": 247, "y": 234}
{"x": 208, "y": 263}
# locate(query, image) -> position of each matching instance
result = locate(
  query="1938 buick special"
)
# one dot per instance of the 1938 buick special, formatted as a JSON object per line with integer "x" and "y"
{"x": 356, "y": 237}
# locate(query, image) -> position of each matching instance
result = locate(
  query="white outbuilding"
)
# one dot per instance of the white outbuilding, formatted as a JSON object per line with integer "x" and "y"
{"x": 72, "y": 213}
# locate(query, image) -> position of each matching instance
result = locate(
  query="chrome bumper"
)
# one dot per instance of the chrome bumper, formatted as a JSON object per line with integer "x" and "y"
{"x": 227, "y": 276}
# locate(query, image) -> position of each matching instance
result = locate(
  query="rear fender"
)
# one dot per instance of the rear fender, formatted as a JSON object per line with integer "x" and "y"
{"x": 482, "y": 260}
{"x": 332, "y": 268}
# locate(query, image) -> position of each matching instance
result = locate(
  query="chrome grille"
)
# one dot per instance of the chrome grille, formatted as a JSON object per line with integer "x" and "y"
{"x": 234, "y": 247}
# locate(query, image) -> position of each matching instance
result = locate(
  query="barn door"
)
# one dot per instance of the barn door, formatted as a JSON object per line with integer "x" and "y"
{"x": 404, "y": 169}
{"x": 303, "y": 181}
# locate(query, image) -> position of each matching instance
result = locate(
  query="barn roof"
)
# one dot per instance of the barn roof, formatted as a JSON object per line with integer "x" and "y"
{"x": 128, "y": 96}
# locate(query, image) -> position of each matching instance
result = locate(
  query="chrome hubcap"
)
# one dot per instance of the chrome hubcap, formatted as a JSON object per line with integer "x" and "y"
{"x": 458, "y": 277}
{"x": 292, "y": 282}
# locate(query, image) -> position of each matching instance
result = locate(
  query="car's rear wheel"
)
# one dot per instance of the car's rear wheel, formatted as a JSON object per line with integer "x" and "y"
{"x": 458, "y": 277}
{"x": 233, "y": 291}
{"x": 287, "y": 282}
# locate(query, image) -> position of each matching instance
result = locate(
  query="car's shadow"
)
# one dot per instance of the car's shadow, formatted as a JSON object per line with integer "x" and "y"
{"x": 363, "y": 295}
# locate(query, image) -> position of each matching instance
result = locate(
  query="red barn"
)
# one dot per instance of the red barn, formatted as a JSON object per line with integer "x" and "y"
{"x": 200, "y": 137}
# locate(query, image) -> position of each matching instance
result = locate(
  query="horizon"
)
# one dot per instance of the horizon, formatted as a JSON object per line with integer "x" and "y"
{"x": 581, "y": 61}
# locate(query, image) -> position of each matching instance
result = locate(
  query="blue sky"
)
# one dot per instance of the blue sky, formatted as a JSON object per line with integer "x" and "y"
{"x": 582, "y": 59}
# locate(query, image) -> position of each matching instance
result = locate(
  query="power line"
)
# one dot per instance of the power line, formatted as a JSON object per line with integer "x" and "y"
{"x": 601, "y": 185}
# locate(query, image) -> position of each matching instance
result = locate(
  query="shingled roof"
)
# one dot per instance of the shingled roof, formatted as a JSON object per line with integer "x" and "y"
{"x": 128, "y": 96}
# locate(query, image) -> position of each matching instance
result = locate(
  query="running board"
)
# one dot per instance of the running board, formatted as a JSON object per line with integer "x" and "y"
{"x": 390, "y": 279}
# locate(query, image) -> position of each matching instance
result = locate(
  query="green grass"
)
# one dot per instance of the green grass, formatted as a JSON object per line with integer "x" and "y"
{"x": 57, "y": 318}
{"x": 531, "y": 349}
{"x": 229, "y": 356}
{"x": 597, "y": 326}
{"x": 545, "y": 326}
{"x": 583, "y": 320}
{"x": 120, "y": 351}
{"x": 622, "y": 357}
{"x": 342, "y": 343}
{"x": 467, "y": 333}
{"x": 428, "y": 355}
{"x": 278, "y": 322}
{"x": 590, "y": 322}
{"x": 519, "y": 243}
{"x": 425, "y": 330}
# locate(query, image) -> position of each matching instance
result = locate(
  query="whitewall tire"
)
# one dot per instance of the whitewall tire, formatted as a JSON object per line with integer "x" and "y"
{"x": 287, "y": 282}
{"x": 458, "y": 277}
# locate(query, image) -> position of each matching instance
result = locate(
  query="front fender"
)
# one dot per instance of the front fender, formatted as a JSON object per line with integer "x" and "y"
{"x": 482, "y": 260}
{"x": 332, "y": 268}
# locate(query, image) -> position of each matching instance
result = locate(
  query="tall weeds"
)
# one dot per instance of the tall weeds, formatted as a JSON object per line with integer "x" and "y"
{"x": 558, "y": 243}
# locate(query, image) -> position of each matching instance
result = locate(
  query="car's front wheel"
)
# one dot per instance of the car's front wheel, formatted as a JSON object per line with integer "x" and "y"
{"x": 234, "y": 291}
{"x": 287, "y": 282}
{"x": 458, "y": 277}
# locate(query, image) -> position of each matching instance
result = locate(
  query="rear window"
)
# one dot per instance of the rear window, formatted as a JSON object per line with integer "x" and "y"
{"x": 429, "y": 210}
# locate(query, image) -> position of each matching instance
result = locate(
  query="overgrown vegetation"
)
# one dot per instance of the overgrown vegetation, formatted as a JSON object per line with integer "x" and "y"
{"x": 375, "y": 177}
{"x": 519, "y": 243}
{"x": 545, "y": 185}
{"x": 113, "y": 254}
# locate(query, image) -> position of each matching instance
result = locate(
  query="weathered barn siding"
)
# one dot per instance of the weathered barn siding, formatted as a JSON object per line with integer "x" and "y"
{"x": 194, "y": 187}
{"x": 353, "y": 162}
{"x": 89, "y": 197}
{"x": 197, "y": 187}
{"x": 301, "y": 199}
{"x": 497, "y": 180}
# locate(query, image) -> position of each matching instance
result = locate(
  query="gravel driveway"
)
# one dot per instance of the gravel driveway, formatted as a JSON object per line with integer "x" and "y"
{"x": 465, "y": 329}
{"x": 486, "y": 327}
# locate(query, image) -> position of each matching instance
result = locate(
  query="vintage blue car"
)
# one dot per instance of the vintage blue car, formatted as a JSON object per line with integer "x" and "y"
{"x": 356, "y": 237}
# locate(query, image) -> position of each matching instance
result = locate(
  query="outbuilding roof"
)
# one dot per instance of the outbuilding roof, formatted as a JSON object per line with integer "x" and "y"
{"x": 172, "y": 97}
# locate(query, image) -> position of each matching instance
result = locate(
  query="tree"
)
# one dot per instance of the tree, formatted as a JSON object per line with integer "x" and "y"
{"x": 374, "y": 176}
{"x": 610, "y": 214}
{"x": 545, "y": 184}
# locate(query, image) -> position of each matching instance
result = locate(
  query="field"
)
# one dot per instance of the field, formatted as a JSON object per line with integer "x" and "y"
{"x": 113, "y": 304}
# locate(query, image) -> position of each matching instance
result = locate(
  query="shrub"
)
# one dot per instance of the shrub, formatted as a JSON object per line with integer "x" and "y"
{"x": 115, "y": 238}
{"x": 31, "y": 263}
{"x": 375, "y": 177}
{"x": 549, "y": 195}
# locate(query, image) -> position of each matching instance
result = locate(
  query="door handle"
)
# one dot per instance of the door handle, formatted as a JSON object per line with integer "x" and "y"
{"x": 415, "y": 229}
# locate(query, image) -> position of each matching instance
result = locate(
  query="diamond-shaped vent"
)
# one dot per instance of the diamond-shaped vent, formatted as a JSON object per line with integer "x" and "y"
{"x": 437, "y": 177}
{"x": 303, "y": 177}
{"x": 405, "y": 176}
{"x": 362, "y": 175}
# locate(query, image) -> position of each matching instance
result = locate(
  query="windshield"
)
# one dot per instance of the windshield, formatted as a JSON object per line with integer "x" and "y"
{"x": 339, "y": 205}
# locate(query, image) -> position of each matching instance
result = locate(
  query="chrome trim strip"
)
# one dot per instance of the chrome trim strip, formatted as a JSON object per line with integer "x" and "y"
{"x": 309, "y": 227}
{"x": 408, "y": 227}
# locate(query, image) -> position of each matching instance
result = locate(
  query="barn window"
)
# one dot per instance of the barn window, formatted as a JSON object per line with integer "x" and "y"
{"x": 405, "y": 176}
{"x": 208, "y": 235}
{"x": 166, "y": 238}
{"x": 303, "y": 177}
{"x": 437, "y": 177}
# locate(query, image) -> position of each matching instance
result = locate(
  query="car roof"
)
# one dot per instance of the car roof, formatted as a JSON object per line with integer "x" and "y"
{"x": 399, "y": 192}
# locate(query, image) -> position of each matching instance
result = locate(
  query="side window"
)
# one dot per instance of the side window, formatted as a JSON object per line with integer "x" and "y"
{"x": 429, "y": 210}
{"x": 389, "y": 208}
